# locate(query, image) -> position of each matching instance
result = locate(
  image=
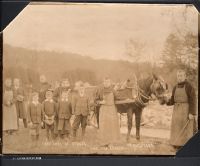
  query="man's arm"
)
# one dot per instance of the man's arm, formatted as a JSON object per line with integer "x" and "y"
{"x": 29, "y": 113}
{"x": 191, "y": 99}
{"x": 73, "y": 104}
{"x": 43, "y": 110}
{"x": 171, "y": 100}
{"x": 70, "y": 108}
{"x": 97, "y": 96}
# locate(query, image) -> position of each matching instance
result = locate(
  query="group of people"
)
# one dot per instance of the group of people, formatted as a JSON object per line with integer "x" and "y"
{"x": 13, "y": 106}
{"x": 53, "y": 109}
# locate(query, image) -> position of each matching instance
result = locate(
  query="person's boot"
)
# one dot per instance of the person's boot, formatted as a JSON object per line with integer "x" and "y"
{"x": 73, "y": 135}
{"x": 47, "y": 138}
{"x": 59, "y": 136}
{"x": 128, "y": 135}
{"x": 25, "y": 123}
{"x": 37, "y": 140}
{"x": 83, "y": 133}
{"x": 137, "y": 134}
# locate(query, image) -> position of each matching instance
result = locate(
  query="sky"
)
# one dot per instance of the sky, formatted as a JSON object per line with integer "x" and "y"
{"x": 100, "y": 31}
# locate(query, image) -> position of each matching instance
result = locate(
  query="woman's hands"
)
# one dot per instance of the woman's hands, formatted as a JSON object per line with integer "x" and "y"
{"x": 191, "y": 116}
{"x": 102, "y": 102}
{"x": 163, "y": 100}
{"x": 20, "y": 98}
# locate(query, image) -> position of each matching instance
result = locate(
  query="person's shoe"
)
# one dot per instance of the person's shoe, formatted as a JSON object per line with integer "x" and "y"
{"x": 128, "y": 136}
{"x": 137, "y": 135}
{"x": 83, "y": 134}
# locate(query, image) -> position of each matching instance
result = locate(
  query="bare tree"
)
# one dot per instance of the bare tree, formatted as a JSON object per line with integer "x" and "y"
{"x": 135, "y": 49}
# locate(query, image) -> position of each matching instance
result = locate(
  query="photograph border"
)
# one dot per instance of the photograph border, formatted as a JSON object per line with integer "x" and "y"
{"x": 11, "y": 9}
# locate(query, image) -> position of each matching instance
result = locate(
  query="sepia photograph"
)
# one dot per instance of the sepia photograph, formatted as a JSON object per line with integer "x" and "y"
{"x": 100, "y": 79}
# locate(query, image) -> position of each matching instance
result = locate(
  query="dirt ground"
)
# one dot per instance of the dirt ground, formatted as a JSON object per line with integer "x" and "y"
{"x": 154, "y": 138}
{"x": 20, "y": 143}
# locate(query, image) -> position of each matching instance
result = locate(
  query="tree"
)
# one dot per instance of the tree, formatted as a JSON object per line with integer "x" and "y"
{"x": 172, "y": 51}
{"x": 182, "y": 53}
{"x": 135, "y": 50}
{"x": 80, "y": 75}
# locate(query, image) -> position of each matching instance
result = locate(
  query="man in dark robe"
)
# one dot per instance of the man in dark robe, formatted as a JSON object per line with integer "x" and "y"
{"x": 184, "y": 112}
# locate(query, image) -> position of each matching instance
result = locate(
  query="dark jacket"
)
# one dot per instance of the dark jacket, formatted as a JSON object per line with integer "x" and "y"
{"x": 19, "y": 98}
{"x": 58, "y": 91}
{"x": 101, "y": 91}
{"x": 64, "y": 110}
{"x": 190, "y": 91}
{"x": 34, "y": 113}
{"x": 81, "y": 105}
{"x": 42, "y": 91}
{"x": 49, "y": 108}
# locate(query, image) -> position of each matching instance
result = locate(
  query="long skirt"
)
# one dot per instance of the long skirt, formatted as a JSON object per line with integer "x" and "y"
{"x": 182, "y": 128}
{"x": 109, "y": 130}
{"x": 9, "y": 118}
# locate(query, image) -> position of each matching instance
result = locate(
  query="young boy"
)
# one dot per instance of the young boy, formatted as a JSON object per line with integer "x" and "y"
{"x": 19, "y": 97}
{"x": 49, "y": 114}
{"x": 65, "y": 86}
{"x": 64, "y": 115}
{"x": 34, "y": 115}
{"x": 81, "y": 111}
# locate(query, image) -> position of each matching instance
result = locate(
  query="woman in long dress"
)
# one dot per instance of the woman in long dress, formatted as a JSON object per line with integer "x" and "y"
{"x": 109, "y": 130}
{"x": 9, "y": 109}
{"x": 19, "y": 97}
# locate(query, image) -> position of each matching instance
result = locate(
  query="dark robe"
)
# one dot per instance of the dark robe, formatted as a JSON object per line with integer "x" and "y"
{"x": 190, "y": 91}
{"x": 19, "y": 98}
{"x": 184, "y": 100}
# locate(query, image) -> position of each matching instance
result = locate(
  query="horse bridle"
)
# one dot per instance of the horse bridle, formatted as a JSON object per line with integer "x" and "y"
{"x": 138, "y": 99}
{"x": 141, "y": 93}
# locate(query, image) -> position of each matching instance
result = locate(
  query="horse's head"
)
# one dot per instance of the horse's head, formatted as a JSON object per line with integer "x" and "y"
{"x": 158, "y": 86}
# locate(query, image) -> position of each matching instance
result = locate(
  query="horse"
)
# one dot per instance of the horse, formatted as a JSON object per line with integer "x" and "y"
{"x": 146, "y": 88}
